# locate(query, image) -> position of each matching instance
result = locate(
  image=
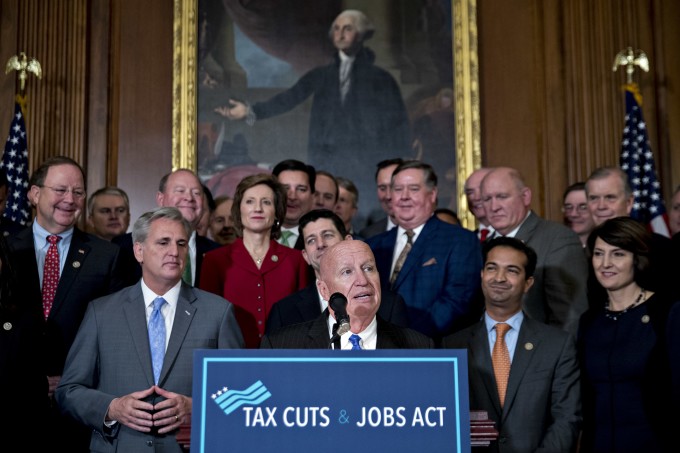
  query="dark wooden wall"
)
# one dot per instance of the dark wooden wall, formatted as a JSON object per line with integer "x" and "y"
{"x": 550, "y": 104}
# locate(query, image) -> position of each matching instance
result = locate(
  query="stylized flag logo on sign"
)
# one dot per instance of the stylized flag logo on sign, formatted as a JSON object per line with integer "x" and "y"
{"x": 230, "y": 400}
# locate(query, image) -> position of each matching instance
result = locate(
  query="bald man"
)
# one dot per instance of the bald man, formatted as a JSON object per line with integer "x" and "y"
{"x": 348, "y": 268}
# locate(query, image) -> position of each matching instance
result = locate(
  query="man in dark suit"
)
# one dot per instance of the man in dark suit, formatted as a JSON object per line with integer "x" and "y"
{"x": 299, "y": 181}
{"x": 558, "y": 296}
{"x": 383, "y": 180}
{"x": 183, "y": 190}
{"x": 348, "y": 268}
{"x": 112, "y": 383}
{"x": 320, "y": 230}
{"x": 439, "y": 278}
{"x": 537, "y": 406}
{"x": 473, "y": 195}
{"x": 88, "y": 267}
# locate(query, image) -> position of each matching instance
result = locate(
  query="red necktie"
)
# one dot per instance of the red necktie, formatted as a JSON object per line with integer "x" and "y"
{"x": 50, "y": 274}
{"x": 483, "y": 233}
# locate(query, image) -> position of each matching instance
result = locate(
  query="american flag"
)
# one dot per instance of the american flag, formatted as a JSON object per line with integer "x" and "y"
{"x": 637, "y": 160}
{"x": 15, "y": 164}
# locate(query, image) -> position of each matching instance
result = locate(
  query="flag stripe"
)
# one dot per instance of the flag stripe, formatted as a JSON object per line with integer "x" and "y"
{"x": 637, "y": 160}
{"x": 15, "y": 164}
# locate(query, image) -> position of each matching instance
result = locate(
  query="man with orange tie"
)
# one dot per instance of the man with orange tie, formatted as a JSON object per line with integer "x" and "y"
{"x": 60, "y": 270}
{"x": 522, "y": 372}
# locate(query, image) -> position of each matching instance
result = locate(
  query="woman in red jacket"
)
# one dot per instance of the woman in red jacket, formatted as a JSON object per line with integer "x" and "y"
{"x": 255, "y": 271}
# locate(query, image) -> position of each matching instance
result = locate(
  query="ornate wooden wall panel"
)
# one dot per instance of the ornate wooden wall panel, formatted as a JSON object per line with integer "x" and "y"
{"x": 56, "y": 34}
{"x": 551, "y": 105}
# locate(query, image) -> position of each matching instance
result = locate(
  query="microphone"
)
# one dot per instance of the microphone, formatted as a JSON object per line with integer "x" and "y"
{"x": 338, "y": 303}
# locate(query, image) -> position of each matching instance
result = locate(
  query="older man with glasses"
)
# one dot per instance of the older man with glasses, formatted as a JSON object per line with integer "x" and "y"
{"x": 60, "y": 269}
{"x": 576, "y": 213}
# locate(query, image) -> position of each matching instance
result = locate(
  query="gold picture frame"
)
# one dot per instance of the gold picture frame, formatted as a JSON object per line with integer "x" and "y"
{"x": 466, "y": 93}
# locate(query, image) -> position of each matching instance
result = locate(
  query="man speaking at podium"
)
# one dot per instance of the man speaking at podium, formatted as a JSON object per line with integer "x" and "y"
{"x": 349, "y": 280}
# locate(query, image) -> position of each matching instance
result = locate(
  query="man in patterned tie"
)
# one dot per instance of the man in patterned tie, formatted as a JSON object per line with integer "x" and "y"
{"x": 348, "y": 268}
{"x": 109, "y": 382}
{"x": 538, "y": 406}
{"x": 80, "y": 267}
{"x": 439, "y": 277}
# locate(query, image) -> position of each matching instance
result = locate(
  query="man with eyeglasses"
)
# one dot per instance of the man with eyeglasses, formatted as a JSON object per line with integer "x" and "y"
{"x": 60, "y": 269}
{"x": 576, "y": 213}
{"x": 108, "y": 212}
{"x": 610, "y": 195}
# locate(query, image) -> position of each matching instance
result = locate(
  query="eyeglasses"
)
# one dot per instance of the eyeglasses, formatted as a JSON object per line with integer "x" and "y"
{"x": 583, "y": 207}
{"x": 61, "y": 192}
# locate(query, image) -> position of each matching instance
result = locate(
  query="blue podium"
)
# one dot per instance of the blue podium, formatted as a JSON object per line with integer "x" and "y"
{"x": 331, "y": 401}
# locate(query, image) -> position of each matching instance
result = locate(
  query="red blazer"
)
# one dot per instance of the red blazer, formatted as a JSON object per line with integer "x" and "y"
{"x": 230, "y": 272}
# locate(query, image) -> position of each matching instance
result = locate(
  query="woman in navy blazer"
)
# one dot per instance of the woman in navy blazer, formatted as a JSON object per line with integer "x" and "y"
{"x": 255, "y": 271}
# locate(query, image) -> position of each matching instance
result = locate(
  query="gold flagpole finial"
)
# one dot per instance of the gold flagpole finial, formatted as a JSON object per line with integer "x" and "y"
{"x": 630, "y": 59}
{"x": 23, "y": 65}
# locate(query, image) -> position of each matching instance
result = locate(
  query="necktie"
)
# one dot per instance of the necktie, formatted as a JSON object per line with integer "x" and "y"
{"x": 157, "y": 337}
{"x": 50, "y": 274}
{"x": 186, "y": 276}
{"x": 345, "y": 66}
{"x": 501, "y": 360}
{"x": 402, "y": 257}
{"x": 285, "y": 236}
{"x": 483, "y": 233}
{"x": 355, "y": 340}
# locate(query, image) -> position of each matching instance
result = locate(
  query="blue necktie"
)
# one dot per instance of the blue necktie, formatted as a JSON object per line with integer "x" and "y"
{"x": 355, "y": 339}
{"x": 157, "y": 337}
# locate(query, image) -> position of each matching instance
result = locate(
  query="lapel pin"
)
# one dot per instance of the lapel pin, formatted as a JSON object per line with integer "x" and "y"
{"x": 275, "y": 258}
{"x": 645, "y": 319}
{"x": 81, "y": 251}
{"x": 76, "y": 264}
{"x": 187, "y": 312}
{"x": 7, "y": 326}
{"x": 528, "y": 346}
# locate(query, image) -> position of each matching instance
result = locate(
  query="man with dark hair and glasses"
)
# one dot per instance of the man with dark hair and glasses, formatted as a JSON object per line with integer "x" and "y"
{"x": 60, "y": 269}
{"x": 576, "y": 213}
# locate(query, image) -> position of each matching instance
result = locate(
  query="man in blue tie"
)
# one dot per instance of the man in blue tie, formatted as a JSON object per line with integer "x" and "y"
{"x": 348, "y": 268}
{"x": 128, "y": 376}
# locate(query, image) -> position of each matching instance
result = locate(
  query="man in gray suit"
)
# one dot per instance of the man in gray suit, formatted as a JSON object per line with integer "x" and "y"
{"x": 348, "y": 268}
{"x": 108, "y": 382}
{"x": 559, "y": 294}
{"x": 537, "y": 406}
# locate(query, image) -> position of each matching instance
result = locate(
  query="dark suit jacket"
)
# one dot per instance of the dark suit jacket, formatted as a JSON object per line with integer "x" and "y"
{"x": 542, "y": 410}
{"x": 559, "y": 295}
{"x": 440, "y": 278}
{"x": 374, "y": 229}
{"x": 111, "y": 358}
{"x": 304, "y": 306}
{"x": 133, "y": 271}
{"x": 314, "y": 335}
{"x": 92, "y": 270}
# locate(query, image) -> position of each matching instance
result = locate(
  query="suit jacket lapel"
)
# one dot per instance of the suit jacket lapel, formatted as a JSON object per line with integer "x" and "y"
{"x": 525, "y": 351}
{"x": 184, "y": 314}
{"x": 414, "y": 258}
{"x": 527, "y": 229}
{"x": 75, "y": 259}
{"x": 479, "y": 341}
{"x": 318, "y": 333}
{"x": 308, "y": 304}
{"x": 135, "y": 313}
{"x": 23, "y": 248}
{"x": 387, "y": 336}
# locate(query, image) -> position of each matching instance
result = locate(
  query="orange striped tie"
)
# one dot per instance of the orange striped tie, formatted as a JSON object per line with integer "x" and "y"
{"x": 501, "y": 360}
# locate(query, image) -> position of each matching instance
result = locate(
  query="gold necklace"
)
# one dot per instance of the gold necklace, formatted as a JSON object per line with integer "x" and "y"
{"x": 614, "y": 315}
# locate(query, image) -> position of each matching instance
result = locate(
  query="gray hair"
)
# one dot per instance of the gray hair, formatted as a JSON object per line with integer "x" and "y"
{"x": 140, "y": 230}
{"x": 108, "y": 190}
{"x": 604, "y": 172}
{"x": 363, "y": 24}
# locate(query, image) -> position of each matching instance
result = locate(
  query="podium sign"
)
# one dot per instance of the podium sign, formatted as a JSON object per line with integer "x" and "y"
{"x": 330, "y": 401}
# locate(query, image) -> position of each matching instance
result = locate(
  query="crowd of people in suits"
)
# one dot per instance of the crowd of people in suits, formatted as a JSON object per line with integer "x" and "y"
{"x": 592, "y": 334}
{"x": 572, "y": 329}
